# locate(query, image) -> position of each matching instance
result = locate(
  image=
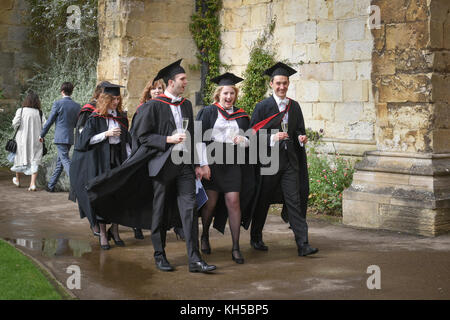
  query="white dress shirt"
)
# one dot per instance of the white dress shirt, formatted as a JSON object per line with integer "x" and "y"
{"x": 176, "y": 111}
{"x": 282, "y": 104}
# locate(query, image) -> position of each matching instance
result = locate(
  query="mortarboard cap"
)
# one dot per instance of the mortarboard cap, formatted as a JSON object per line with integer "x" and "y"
{"x": 226, "y": 79}
{"x": 170, "y": 71}
{"x": 111, "y": 88}
{"x": 279, "y": 69}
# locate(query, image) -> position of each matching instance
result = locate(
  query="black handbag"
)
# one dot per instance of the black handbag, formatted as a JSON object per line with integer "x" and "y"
{"x": 11, "y": 145}
{"x": 44, "y": 148}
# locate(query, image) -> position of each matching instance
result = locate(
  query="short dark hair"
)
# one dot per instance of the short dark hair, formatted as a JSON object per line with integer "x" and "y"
{"x": 67, "y": 88}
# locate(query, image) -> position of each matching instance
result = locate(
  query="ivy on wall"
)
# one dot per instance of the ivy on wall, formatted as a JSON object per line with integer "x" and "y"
{"x": 255, "y": 84}
{"x": 205, "y": 30}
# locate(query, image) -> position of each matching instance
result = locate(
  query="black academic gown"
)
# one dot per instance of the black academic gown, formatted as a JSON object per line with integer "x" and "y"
{"x": 83, "y": 116}
{"x": 261, "y": 119}
{"x": 208, "y": 116}
{"x": 125, "y": 194}
{"x": 90, "y": 161}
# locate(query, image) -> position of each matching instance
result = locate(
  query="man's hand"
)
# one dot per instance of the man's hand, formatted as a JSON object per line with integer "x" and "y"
{"x": 302, "y": 139}
{"x": 280, "y": 136}
{"x": 198, "y": 173}
{"x": 115, "y": 132}
{"x": 176, "y": 138}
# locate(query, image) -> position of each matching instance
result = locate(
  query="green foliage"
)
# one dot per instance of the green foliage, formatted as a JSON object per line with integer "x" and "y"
{"x": 48, "y": 21}
{"x": 205, "y": 30}
{"x": 6, "y": 133}
{"x": 255, "y": 84}
{"x": 20, "y": 279}
{"x": 329, "y": 175}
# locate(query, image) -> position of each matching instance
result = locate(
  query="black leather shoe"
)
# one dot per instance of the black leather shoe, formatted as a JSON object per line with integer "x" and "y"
{"x": 49, "y": 190}
{"x": 237, "y": 256}
{"x": 201, "y": 266}
{"x": 306, "y": 250}
{"x": 138, "y": 234}
{"x": 259, "y": 245}
{"x": 119, "y": 242}
{"x": 162, "y": 263}
{"x": 104, "y": 246}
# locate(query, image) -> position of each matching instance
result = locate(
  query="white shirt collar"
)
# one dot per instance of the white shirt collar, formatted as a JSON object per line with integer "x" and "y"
{"x": 171, "y": 96}
{"x": 227, "y": 110}
{"x": 278, "y": 100}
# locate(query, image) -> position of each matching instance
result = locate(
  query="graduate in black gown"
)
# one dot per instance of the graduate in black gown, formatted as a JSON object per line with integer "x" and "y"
{"x": 101, "y": 146}
{"x": 290, "y": 184}
{"x": 160, "y": 125}
{"x": 227, "y": 125}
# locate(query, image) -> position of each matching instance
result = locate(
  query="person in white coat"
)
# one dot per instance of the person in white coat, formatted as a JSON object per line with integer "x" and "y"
{"x": 29, "y": 119}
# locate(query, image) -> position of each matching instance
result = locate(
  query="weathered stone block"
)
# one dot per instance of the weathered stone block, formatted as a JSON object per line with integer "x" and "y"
{"x": 417, "y": 10}
{"x": 358, "y": 50}
{"x": 259, "y": 17}
{"x": 439, "y": 10}
{"x": 335, "y": 129}
{"x": 391, "y": 11}
{"x": 405, "y": 88}
{"x": 295, "y": 11}
{"x": 353, "y": 29}
{"x": 363, "y": 70}
{"x": 379, "y": 37}
{"x": 441, "y": 115}
{"x": 384, "y": 64}
{"x": 356, "y": 90}
{"x": 316, "y": 71}
{"x": 446, "y": 33}
{"x": 318, "y": 10}
{"x": 441, "y": 88}
{"x": 410, "y": 116}
{"x": 344, "y": 71}
{"x": 414, "y": 60}
{"x": 360, "y": 213}
{"x": 323, "y": 111}
{"x": 348, "y": 112}
{"x": 436, "y": 34}
{"x": 306, "y": 32}
{"x": 307, "y": 110}
{"x": 231, "y": 39}
{"x": 237, "y": 18}
{"x": 407, "y": 35}
{"x": 330, "y": 91}
{"x": 300, "y": 53}
{"x": 327, "y": 51}
{"x": 313, "y": 52}
{"x": 343, "y": 9}
{"x": 308, "y": 91}
{"x": 361, "y": 130}
{"x": 327, "y": 31}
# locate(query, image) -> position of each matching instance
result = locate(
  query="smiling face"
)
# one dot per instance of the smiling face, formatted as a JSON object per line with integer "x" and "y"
{"x": 157, "y": 90}
{"x": 280, "y": 85}
{"x": 227, "y": 97}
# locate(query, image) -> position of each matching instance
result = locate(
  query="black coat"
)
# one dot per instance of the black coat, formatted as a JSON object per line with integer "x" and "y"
{"x": 296, "y": 154}
{"x": 125, "y": 194}
{"x": 90, "y": 161}
{"x": 208, "y": 116}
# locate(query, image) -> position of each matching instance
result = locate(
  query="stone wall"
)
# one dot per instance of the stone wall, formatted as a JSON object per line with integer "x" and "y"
{"x": 405, "y": 185}
{"x": 331, "y": 40}
{"x": 15, "y": 54}
{"x": 137, "y": 38}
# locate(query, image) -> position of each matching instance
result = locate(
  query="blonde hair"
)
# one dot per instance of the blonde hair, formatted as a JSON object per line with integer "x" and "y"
{"x": 218, "y": 90}
{"x": 146, "y": 95}
{"x": 104, "y": 101}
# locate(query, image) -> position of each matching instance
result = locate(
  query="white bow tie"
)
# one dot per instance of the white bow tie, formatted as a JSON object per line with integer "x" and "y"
{"x": 283, "y": 102}
{"x": 176, "y": 99}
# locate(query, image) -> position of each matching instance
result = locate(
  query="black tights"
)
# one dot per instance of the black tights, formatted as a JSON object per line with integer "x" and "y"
{"x": 234, "y": 214}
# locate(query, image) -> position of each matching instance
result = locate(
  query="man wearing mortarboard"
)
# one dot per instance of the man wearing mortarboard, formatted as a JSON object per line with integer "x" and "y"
{"x": 155, "y": 124}
{"x": 273, "y": 114}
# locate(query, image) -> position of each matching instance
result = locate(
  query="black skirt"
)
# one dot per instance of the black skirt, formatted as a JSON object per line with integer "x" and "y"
{"x": 224, "y": 178}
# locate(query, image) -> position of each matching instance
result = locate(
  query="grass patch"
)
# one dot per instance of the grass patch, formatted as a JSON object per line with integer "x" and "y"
{"x": 20, "y": 279}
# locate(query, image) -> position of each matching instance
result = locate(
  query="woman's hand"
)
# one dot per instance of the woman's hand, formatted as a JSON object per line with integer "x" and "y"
{"x": 114, "y": 132}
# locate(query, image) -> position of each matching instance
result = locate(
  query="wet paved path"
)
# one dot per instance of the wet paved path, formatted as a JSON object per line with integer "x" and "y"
{"x": 47, "y": 227}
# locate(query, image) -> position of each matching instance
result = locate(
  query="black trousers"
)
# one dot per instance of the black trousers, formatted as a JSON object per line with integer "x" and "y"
{"x": 185, "y": 196}
{"x": 288, "y": 179}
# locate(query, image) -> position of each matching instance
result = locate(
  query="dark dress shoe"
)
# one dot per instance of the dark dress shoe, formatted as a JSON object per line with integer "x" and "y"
{"x": 259, "y": 245}
{"x": 306, "y": 250}
{"x": 104, "y": 246}
{"x": 138, "y": 234}
{"x": 237, "y": 256}
{"x": 119, "y": 242}
{"x": 201, "y": 266}
{"x": 49, "y": 190}
{"x": 162, "y": 264}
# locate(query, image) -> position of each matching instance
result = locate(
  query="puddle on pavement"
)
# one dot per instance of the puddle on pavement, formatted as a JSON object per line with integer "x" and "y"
{"x": 55, "y": 247}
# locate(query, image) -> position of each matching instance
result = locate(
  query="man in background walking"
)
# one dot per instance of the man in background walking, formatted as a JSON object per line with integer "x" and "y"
{"x": 64, "y": 114}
